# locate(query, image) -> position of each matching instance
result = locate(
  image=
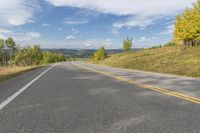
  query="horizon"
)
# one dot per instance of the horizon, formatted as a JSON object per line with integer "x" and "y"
{"x": 85, "y": 24}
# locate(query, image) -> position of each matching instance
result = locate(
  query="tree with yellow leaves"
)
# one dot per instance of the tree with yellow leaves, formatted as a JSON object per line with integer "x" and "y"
{"x": 187, "y": 26}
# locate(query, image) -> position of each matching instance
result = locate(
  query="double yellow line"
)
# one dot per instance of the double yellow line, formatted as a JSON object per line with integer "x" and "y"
{"x": 146, "y": 86}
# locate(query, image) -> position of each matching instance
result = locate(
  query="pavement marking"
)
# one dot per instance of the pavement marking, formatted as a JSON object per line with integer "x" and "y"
{"x": 146, "y": 86}
{"x": 11, "y": 98}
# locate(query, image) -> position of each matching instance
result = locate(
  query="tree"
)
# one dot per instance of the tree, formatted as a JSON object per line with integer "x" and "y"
{"x": 127, "y": 44}
{"x": 24, "y": 57}
{"x": 36, "y": 54}
{"x": 187, "y": 26}
{"x": 2, "y": 46}
{"x": 10, "y": 43}
{"x": 52, "y": 57}
{"x": 29, "y": 56}
{"x": 100, "y": 54}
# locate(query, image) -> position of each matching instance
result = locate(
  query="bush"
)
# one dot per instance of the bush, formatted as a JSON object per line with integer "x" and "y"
{"x": 28, "y": 56}
{"x": 34, "y": 56}
{"x": 155, "y": 47}
{"x": 100, "y": 54}
{"x": 169, "y": 44}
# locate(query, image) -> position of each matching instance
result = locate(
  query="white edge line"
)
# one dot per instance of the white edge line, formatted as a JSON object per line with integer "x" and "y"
{"x": 11, "y": 98}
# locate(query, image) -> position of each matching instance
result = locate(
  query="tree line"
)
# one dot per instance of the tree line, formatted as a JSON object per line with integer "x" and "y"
{"x": 12, "y": 54}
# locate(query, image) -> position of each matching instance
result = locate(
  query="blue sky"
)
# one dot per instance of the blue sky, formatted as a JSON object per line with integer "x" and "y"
{"x": 89, "y": 24}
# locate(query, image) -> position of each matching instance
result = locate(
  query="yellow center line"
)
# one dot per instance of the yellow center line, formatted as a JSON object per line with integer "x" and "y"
{"x": 146, "y": 86}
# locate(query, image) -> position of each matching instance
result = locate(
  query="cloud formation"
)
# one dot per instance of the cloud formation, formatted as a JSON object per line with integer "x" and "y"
{"x": 75, "y": 31}
{"x": 145, "y": 39}
{"x": 17, "y": 12}
{"x": 22, "y": 36}
{"x": 45, "y": 25}
{"x": 73, "y": 21}
{"x": 4, "y": 33}
{"x": 140, "y": 13}
{"x": 70, "y": 37}
{"x": 169, "y": 30}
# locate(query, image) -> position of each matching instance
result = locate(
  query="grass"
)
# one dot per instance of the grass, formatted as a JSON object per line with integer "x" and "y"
{"x": 9, "y": 72}
{"x": 84, "y": 59}
{"x": 171, "y": 60}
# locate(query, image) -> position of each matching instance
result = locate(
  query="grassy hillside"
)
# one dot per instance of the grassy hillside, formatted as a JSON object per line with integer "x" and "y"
{"x": 173, "y": 60}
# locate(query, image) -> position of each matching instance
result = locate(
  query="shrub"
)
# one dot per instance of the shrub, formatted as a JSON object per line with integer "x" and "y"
{"x": 100, "y": 54}
{"x": 169, "y": 44}
{"x": 155, "y": 47}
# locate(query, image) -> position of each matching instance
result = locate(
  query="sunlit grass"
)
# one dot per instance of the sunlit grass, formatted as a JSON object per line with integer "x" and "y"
{"x": 9, "y": 72}
{"x": 173, "y": 60}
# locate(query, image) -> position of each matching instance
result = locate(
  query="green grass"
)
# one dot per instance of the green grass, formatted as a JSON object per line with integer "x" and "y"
{"x": 172, "y": 60}
{"x": 10, "y": 72}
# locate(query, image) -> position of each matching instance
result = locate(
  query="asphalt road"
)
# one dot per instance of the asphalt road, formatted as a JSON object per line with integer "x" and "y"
{"x": 72, "y": 99}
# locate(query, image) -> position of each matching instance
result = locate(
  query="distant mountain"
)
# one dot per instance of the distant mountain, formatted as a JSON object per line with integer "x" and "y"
{"x": 83, "y": 53}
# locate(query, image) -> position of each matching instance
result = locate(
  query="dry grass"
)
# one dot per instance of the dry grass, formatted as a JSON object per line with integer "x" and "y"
{"x": 173, "y": 60}
{"x": 9, "y": 72}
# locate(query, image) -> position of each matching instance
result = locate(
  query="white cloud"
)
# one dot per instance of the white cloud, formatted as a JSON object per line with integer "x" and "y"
{"x": 4, "y": 33}
{"x": 88, "y": 45}
{"x": 169, "y": 30}
{"x": 73, "y": 21}
{"x": 24, "y": 36}
{"x": 46, "y": 25}
{"x": 135, "y": 21}
{"x": 75, "y": 31}
{"x": 96, "y": 43}
{"x": 140, "y": 13}
{"x": 75, "y": 44}
{"x": 2, "y": 36}
{"x": 17, "y": 12}
{"x": 115, "y": 30}
{"x": 145, "y": 39}
{"x": 70, "y": 37}
{"x": 34, "y": 35}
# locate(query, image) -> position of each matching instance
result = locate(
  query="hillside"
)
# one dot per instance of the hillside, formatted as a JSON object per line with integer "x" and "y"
{"x": 173, "y": 60}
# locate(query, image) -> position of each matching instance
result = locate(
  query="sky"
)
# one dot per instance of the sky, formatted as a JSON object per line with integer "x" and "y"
{"x": 89, "y": 24}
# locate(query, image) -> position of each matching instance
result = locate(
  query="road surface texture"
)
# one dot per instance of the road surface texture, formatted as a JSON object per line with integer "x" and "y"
{"x": 83, "y": 98}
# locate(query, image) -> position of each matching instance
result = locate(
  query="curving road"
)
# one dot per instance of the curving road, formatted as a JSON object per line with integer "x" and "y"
{"x": 83, "y": 98}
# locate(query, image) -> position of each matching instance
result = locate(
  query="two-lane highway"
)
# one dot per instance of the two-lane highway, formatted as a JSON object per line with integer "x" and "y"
{"x": 69, "y": 98}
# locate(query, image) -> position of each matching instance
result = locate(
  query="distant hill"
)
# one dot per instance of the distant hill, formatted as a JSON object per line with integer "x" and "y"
{"x": 82, "y": 53}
